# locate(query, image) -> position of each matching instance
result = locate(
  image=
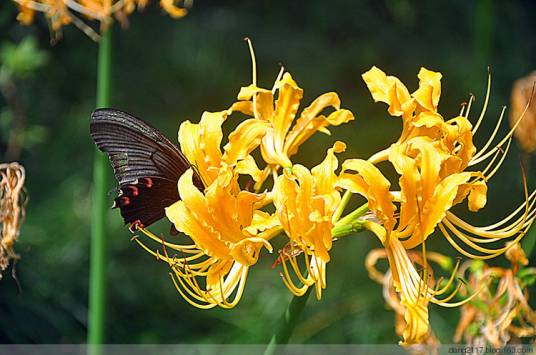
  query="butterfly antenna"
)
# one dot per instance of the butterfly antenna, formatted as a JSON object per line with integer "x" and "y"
{"x": 196, "y": 170}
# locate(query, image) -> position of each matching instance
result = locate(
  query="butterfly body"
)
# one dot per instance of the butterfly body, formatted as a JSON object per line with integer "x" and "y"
{"x": 147, "y": 165}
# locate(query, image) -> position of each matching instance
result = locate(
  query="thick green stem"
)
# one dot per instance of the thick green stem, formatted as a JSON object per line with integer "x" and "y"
{"x": 288, "y": 322}
{"x": 352, "y": 216}
{"x": 97, "y": 278}
{"x": 346, "y": 229}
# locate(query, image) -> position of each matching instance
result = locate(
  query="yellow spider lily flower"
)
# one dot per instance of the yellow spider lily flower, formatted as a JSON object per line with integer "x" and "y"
{"x": 419, "y": 114}
{"x": 225, "y": 223}
{"x": 432, "y": 164}
{"x": 282, "y": 138}
{"x": 431, "y": 157}
{"x": 414, "y": 291}
{"x": 369, "y": 182}
{"x": 306, "y": 202}
{"x": 228, "y": 232}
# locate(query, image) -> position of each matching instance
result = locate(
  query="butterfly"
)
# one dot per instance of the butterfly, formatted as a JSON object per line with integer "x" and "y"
{"x": 147, "y": 165}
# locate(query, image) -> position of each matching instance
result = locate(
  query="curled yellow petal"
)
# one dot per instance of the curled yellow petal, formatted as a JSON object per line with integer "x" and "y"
{"x": 476, "y": 193}
{"x": 200, "y": 143}
{"x": 324, "y": 173}
{"x": 390, "y": 90}
{"x": 248, "y": 166}
{"x": 429, "y": 91}
{"x": 436, "y": 208}
{"x": 286, "y": 107}
{"x": 370, "y": 183}
{"x": 308, "y": 114}
{"x": 246, "y": 137}
{"x": 409, "y": 182}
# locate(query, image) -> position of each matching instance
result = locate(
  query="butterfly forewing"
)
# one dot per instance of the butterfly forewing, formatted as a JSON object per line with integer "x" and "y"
{"x": 146, "y": 165}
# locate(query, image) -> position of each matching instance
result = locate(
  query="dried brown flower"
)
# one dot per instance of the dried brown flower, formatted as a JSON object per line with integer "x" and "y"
{"x": 521, "y": 95}
{"x": 12, "y": 210}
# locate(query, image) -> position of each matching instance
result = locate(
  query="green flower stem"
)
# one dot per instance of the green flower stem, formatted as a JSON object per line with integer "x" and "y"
{"x": 344, "y": 201}
{"x": 97, "y": 277}
{"x": 288, "y": 322}
{"x": 346, "y": 229}
{"x": 352, "y": 216}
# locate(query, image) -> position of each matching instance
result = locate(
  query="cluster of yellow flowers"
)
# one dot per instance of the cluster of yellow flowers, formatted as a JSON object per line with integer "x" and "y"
{"x": 63, "y": 12}
{"x": 229, "y": 224}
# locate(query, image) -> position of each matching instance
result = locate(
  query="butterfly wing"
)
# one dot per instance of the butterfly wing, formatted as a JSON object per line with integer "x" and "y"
{"x": 146, "y": 165}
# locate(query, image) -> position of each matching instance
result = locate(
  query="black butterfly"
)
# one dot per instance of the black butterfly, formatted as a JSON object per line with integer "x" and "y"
{"x": 146, "y": 164}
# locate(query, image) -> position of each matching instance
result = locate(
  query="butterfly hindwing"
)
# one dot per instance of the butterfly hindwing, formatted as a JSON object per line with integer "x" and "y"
{"x": 143, "y": 201}
{"x": 146, "y": 165}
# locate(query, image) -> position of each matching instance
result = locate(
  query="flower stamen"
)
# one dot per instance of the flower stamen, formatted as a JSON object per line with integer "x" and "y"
{"x": 482, "y": 155}
{"x": 483, "y": 150}
{"x": 253, "y": 62}
{"x": 484, "y": 107}
{"x": 504, "y": 152}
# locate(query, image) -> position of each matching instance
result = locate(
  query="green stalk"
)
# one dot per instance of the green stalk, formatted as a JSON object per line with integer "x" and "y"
{"x": 97, "y": 276}
{"x": 288, "y": 322}
{"x": 352, "y": 216}
{"x": 344, "y": 201}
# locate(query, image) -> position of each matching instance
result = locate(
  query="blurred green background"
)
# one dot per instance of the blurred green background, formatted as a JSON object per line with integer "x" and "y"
{"x": 167, "y": 71}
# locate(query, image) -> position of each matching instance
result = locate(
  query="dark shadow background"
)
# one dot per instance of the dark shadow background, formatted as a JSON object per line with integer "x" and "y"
{"x": 167, "y": 71}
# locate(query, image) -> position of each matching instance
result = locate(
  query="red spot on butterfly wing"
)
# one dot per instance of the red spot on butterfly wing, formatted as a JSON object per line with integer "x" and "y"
{"x": 122, "y": 201}
{"x": 148, "y": 182}
{"x": 134, "y": 190}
